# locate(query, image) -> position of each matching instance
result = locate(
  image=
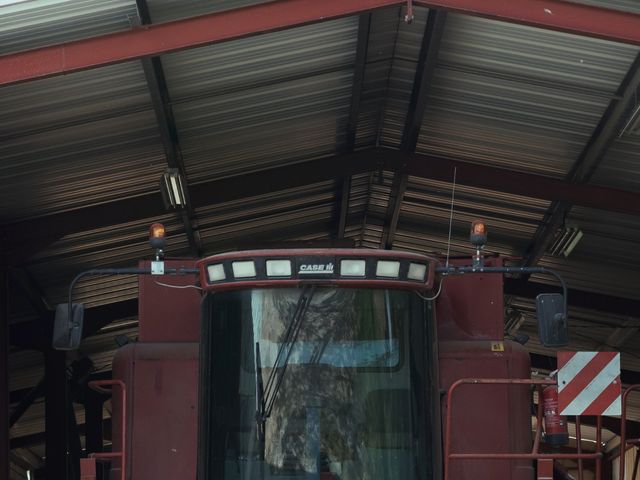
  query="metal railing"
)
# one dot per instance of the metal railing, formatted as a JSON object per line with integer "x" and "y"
{"x": 535, "y": 453}
{"x": 99, "y": 386}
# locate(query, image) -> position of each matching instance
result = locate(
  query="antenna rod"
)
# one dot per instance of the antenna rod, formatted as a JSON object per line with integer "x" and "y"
{"x": 453, "y": 196}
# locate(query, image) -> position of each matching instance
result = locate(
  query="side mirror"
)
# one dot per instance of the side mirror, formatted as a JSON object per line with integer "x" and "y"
{"x": 552, "y": 320}
{"x": 67, "y": 332}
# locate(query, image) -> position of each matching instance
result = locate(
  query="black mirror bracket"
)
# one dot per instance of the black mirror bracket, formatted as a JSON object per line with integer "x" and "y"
{"x": 68, "y": 325}
{"x": 560, "y": 318}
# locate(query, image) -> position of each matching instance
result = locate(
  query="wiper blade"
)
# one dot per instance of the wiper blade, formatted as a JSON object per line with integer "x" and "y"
{"x": 265, "y": 397}
{"x": 259, "y": 393}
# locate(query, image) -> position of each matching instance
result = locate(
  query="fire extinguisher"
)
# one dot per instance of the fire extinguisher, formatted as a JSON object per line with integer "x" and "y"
{"x": 555, "y": 425}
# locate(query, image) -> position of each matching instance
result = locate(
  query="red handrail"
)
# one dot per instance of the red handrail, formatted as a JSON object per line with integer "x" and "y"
{"x": 623, "y": 427}
{"x": 98, "y": 386}
{"x": 534, "y": 455}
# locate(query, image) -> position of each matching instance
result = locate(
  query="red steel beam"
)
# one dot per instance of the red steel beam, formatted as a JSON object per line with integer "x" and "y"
{"x": 561, "y": 15}
{"x": 159, "y": 39}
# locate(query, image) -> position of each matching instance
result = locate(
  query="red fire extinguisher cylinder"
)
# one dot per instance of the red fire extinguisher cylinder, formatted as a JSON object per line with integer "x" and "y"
{"x": 555, "y": 425}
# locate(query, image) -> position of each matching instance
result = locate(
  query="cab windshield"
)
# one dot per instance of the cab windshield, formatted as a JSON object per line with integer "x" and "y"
{"x": 319, "y": 383}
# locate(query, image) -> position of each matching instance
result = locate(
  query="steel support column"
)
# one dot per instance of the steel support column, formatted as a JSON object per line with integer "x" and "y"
{"x": 93, "y": 404}
{"x": 207, "y": 29}
{"x": 56, "y": 406}
{"x": 4, "y": 366}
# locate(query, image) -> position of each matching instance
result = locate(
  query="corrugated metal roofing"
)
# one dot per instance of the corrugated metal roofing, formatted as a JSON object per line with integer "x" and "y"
{"x": 111, "y": 246}
{"x": 81, "y": 139}
{"x": 620, "y": 167}
{"x": 288, "y": 91}
{"x": 30, "y": 24}
{"x": 401, "y": 76}
{"x": 166, "y": 10}
{"x": 602, "y": 261}
{"x": 519, "y": 97}
{"x": 624, "y": 5}
{"x": 424, "y": 218}
{"x": 268, "y": 218}
{"x": 383, "y": 31}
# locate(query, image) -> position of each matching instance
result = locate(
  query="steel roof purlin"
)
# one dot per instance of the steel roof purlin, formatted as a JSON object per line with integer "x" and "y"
{"x": 211, "y": 28}
{"x": 425, "y": 68}
{"x": 344, "y": 190}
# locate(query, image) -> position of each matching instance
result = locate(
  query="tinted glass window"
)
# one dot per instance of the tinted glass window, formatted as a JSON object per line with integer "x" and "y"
{"x": 322, "y": 383}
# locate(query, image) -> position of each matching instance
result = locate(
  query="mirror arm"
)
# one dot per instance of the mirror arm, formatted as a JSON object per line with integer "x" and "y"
{"x": 502, "y": 270}
{"x": 119, "y": 271}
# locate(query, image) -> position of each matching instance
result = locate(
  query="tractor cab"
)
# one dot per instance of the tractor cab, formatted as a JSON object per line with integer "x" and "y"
{"x": 317, "y": 364}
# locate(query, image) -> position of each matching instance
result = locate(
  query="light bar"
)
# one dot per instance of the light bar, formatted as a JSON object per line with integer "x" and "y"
{"x": 278, "y": 268}
{"x": 353, "y": 268}
{"x": 386, "y": 268}
{"x": 417, "y": 271}
{"x": 216, "y": 272}
{"x": 245, "y": 269}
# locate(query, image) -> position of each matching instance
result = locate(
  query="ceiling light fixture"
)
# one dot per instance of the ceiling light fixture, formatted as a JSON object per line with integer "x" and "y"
{"x": 566, "y": 240}
{"x": 172, "y": 188}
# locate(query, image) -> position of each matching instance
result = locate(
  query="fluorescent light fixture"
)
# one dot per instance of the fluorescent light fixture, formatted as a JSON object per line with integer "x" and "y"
{"x": 172, "y": 187}
{"x": 244, "y": 269}
{"x": 386, "y": 268}
{"x": 565, "y": 241}
{"x": 417, "y": 271}
{"x": 352, "y": 268}
{"x": 278, "y": 268}
{"x": 216, "y": 272}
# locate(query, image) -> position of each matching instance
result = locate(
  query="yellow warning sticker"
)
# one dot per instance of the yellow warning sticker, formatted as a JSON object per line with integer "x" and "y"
{"x": 497, "y": 346}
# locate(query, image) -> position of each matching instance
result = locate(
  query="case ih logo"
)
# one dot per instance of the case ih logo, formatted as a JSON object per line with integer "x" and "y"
{"x": 307, "y": 268}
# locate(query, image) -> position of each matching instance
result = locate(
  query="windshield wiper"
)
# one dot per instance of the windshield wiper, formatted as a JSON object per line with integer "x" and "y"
{"x": 265, "y": 397}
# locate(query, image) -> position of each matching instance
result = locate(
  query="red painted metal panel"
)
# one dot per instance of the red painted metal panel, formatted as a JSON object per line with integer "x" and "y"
{"x": 545, "y": 469}
{"x": 162, "y": 381}
{"x": 492, "y": 418}
{"x": 277, "y": 15}
{"x": 169, "y": 314}
{"x": 471, "y": 306}
{"x": 87, "y": 469}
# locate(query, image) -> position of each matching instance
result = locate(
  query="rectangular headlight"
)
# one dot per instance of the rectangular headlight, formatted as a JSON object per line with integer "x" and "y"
{"x": 352, "y": 268}
{"x": 216, "y": 272}
{"x": 387, "y": 268}
{"x": 279, "y": 268}
{"x": 244, "y": 269}
{"x": 417, "y": 271}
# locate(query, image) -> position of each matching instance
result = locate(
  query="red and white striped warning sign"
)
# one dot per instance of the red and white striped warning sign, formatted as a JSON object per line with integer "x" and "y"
{"x": 589, "y": 383}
